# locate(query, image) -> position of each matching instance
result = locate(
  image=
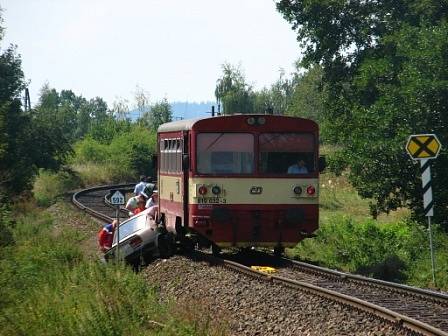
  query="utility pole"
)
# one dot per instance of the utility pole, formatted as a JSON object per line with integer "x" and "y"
{"x": 27, "y": 100}
{"x": 212, "y": 111}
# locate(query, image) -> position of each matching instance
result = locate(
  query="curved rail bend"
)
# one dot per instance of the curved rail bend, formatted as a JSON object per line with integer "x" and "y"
{"x": 93, "y": 200}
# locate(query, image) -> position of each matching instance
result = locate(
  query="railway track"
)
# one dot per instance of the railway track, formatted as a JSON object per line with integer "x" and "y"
{"x": 94, "y": 201}
{"x": 421, "y": 311}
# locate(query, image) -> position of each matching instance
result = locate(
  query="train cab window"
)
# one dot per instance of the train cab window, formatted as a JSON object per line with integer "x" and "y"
{"x": 286, "y": 153}
{"x": 225, "y": 153}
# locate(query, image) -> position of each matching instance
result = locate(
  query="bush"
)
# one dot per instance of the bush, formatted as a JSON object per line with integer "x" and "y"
{"x": 89, "y": 150}
{"x": 420, "y": 272}
{"x": 49, "y": 185}
{"x": 134, "y": 150}
{"x": 394, "y": 251}
{"x": 366, "y": 248}
{"x": 128, "y": 155}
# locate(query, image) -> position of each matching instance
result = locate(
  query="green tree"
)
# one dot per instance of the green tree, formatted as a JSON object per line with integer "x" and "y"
{"x": 232, "y": 91}
{"x": 158, "y": 114}
{"x": 142, "y": 100}
{"x": 277, "y": 98}
{"x": 11, "y": 121}
{"x": 308, "y": 98}
{"x": 92, "y": 112}
{"x": 71, "y": 113}
{"x": 120, "y": 108}
{"x": 106, "y": 130}
{"x": 98, "y": 110}
{"x": 27, "y": 143}
{"x": 385, "y": 67}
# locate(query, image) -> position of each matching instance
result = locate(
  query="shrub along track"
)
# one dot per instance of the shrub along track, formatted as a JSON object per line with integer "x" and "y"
{"x": 405, "y": 308}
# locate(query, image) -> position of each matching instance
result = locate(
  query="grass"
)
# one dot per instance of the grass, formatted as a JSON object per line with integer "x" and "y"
{"x": 48, "y": 186}
{"x": 337, "y": 197}
{"x": 391, "y": 247}
{"x": 50, "y": 286}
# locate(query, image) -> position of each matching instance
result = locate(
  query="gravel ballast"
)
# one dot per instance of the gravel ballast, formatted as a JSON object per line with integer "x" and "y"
{"x": 255, "y": 307}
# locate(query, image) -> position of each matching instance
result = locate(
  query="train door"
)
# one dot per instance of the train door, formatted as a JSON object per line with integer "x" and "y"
{"x": 186, "y": 176}
{"x": 171, "y": 179}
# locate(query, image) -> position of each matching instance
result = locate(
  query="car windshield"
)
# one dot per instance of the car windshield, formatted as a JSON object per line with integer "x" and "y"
{"x": 130, "y": 227}
{"x": 225, "y": 153}
{"x": 286, "y": 153}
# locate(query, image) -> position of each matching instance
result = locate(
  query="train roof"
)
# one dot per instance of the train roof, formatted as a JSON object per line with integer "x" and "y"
{"x": 188, "y": 124}
{"x": 179, "y": 125}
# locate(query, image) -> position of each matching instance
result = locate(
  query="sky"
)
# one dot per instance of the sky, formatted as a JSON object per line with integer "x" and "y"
{"x": 171, "y": 49}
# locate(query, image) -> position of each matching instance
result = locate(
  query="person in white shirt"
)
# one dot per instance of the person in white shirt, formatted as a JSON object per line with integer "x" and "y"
{"x": 153, "y": 204}
{"x": 139, "y": 187}
{"x": 132, "y": 203}
{"x": 153, "y": 200}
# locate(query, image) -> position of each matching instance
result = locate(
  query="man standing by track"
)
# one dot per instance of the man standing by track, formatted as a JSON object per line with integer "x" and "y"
{"x": 144, "y": 186}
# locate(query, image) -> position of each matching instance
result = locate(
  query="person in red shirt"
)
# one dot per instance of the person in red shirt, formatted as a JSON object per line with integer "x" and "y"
{"x": 106, "y": 236}
{"x": 140, "y": 206}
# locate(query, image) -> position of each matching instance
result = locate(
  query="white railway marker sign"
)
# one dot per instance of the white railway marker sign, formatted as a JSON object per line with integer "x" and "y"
{"x": 424, "y": 147}
{"x": 117, "y": 198}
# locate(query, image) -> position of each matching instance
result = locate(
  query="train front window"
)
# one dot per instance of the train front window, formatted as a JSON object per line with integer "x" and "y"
{"x": 225, "y": 153}
{"x": 287, "y": 153}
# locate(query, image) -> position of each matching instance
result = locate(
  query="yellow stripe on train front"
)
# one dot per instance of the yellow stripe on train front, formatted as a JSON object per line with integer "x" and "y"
{"x": 241, "y": 190}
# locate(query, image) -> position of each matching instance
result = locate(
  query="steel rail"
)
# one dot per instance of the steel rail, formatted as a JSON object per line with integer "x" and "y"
{"x": 394, "y": 317}
{"x": 387, "y": 314}
{"x": 89, "y": 210}
{"x": 409, "y": 290}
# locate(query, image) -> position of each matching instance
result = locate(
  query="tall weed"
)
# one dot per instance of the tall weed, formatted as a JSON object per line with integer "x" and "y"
{"x": 393, "y": 251}
{"x": 49, "y": 185}
{"x": 6, "y": 226}
{"x": 49, "y": 287}
{"x": 102, "y": 173}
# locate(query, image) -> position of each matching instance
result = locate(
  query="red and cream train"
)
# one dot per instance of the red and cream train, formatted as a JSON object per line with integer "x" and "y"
{"x": 224, "y": 181}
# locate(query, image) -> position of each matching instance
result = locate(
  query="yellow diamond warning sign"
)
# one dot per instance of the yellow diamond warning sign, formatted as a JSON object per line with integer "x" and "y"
{"x": 423, "y": 146}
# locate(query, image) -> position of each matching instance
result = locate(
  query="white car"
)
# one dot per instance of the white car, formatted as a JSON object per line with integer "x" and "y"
{"x": 140, "y": 241}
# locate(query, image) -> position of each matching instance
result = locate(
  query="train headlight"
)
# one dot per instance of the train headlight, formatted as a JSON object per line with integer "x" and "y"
{"x": 251, "y": 121}
{"x": 310, "y": 190}
{"x": 297, "y": 190}
{"x": 261, "y": 121}
{"x": 202, "y": 190}
{"x": 216, "y": 190}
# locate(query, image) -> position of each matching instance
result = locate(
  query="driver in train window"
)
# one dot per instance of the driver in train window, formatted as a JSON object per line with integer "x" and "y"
{"x": 298, "y": 168}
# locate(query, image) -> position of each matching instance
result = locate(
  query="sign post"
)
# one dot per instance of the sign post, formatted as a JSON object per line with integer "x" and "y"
{"x": 117, "y": 198}
{"x": 423, "y": 147}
